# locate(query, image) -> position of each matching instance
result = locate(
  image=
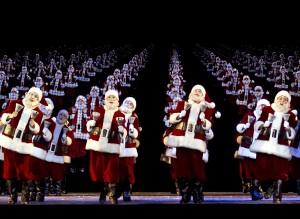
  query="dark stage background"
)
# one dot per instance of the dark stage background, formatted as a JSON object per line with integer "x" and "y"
{"x": 150, "y": 88}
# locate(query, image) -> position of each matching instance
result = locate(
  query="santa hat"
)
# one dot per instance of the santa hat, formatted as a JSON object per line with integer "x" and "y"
{"x": 37, "y": 91}
{"x": 212, "y": 105}
{"x": 200, "y": 87}
{"x": 132, "y": 100}
{"x": 263, "y": 102}
{"x": 50, "y": 105}
{"x": 113, "y": 93}
{"x": 64, "y": 112}
{"x": 283, "y": 93}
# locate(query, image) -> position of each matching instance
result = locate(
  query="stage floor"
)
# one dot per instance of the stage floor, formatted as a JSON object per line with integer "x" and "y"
{"x": 141, "y": 198}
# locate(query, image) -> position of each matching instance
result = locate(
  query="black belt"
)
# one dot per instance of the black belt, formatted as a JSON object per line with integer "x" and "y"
{"x": 39, "y": 139}
{"x": 266, "y": 131}
{"x": 10, "y": 131}
{"x": 104, "y": 133}
{"x": 247, "y": 140}
{"x": 184, "y": 126}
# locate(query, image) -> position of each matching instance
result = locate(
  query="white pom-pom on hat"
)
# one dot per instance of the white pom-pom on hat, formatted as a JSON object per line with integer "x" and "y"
{"x": 218, "y": 115}
{"x": 295, "y": 112}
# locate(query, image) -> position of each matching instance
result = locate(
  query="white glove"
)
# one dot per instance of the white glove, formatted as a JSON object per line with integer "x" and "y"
{"x": 120, "y": 129}
{"x": 131, "y": 127}
{"x": 267, "y": 123}
{"x": 45, "y": 130}
{"x": 182, "y": 114}
{"x": 64, "y": 140}
{"x": 131, "y": 134}
{"x": 247, "y": 125}
{"x": 286, "y": 124}
{"x": 64, "y": 135}
{"x": 202, "y": 116}
{"x": 173, "y": 152}
{"x": 92, "y": 123}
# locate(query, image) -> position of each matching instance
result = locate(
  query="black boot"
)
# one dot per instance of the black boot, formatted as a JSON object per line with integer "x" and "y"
{"x": 127, "y": 192}
{"x": 255, "y": 190}
{"x": 269, "y": 192}
{"x": 64, "y": 186}
{"x": 277, "y": 195}
{"x": 246, "y": 186}
{"x": 32, "y": 191}
{"x": 176, "y": 187}
{"x": 40, "y": 191}
{"x": 185, "y": 190}
{"x": 112, "y": 194}
{"x": 12, "y": 191}
{"x": 198, "y": 196}
{"x": 25, "y": 193}
{"x": 47, "y": 185}
{"x": 57, "y": 187}
{"x": 103, "y": 192}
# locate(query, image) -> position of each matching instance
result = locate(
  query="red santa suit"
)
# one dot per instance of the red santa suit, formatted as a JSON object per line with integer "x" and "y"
{"x": 128, "y": 150}
{"x": 276, "y": 126}
{"x": 189, "y": 139}
{"x": 247, "y": 134}
{"x": 295, "y": 162}
{"x": 58, "y": 157}
{"x": 37, "y": 164}
{"x": 104, "y": 146}
{"x": 16, "y": 139}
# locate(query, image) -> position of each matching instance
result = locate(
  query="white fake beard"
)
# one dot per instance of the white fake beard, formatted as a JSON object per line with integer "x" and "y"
{"x": 30, "y": 104}
{"x": 281, "y": 108}
{"x": 125, "y": 109}
{"x": 60, "y": 120}
{"x": 196, "y": 98}
{"x": 111, "y": 106}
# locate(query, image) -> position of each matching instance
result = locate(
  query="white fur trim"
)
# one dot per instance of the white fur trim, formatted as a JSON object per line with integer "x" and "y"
{"x": 245, "y": 152}
{"x": 4, "y": 118}
{"x": 292, "y": 135}
{"x": 205, "y": 156}
{"x": 50, "y": 106}
{"x": 198, "y": 86}
{"x": 67, "y": 159}
{"x": 90, "y": 124}
{"x": 283, "y": 93}
{"x": 169, "y": 152}
{"x": 209, "y": 134}
{"x": 51, "y": 157}
{"x": 135, "y": 133}
{"x": 39, "y": 153}
{"x": 1, "y": 154}
{"x": 240, "y": 128}
{"x": 257, "y": 125}
{"x": 102, "y": 146}
{"x": 36, "y": 128}
{"x": 69, "y": 141}
{"x": 187, "y": 142}
{"x": 207, "y": 125}
{"x": 173, "y": 118}
{"x": 128, "y": 152}
{"x": 47, "y": 135}
{"x": 113, "y": 93}
{"x": 269, "y": 147}
{"x": 218, "y": 115}
{"x": 295, "y": 112}
{"x": 37, "y": 91}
